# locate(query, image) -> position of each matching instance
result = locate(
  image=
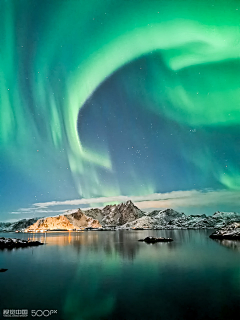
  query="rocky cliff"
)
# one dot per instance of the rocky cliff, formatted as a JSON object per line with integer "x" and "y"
{"x": 94, "y": 213}
{"x": 125, "y": 216}
{"x": 111, "y": 215}
{"x": 51, "y": 223}
{"x": 17, "y": 226}
{"x": 171, "y": 219}
{"x": 120, "y": 214}
{"x": 80, "y": 220}
{"x": 231, "y": 232}
{"x": 72, "y": 221}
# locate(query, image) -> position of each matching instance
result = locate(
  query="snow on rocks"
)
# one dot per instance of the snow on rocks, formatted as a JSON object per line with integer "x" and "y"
{"x": 17, "y": 243}
{"x": 231, "y": 232}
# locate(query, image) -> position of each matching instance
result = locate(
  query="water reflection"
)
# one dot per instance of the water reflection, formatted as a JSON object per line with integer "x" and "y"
{"x": 230, "y": 244}
{"x": 111, "y": 275}
{"x": 122, "y": 243}
{"x": 85, "y": 298}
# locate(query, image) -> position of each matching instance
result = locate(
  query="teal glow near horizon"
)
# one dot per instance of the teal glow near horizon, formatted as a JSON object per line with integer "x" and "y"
{"x": 56, "y": 55}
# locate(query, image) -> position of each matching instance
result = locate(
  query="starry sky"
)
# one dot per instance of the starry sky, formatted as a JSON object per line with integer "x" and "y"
{"x": 112, "y": 99}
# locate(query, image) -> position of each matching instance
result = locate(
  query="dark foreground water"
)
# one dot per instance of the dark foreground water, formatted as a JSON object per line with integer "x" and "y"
{"x": 110, "y": 275}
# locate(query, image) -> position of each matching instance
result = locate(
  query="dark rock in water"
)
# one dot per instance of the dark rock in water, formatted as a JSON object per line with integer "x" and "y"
{"x": 3, "y": 270}
{"x": 17, "y": 243}
{"x": 230, "y": 232}
{"x": 154, "y": 240}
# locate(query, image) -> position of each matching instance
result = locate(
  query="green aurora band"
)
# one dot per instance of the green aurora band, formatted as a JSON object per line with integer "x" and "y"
{"x": 55, "y": 54}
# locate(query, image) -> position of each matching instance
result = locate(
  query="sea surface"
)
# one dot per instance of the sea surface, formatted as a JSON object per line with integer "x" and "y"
{"x": 110, "y": 275}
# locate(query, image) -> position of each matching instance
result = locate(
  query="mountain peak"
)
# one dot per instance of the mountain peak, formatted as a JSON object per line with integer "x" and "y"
{"x": 121, "y": 213}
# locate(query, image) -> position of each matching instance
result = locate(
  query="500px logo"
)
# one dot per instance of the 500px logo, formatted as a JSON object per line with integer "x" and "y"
{"x": 15, "y": 313}
{"x": 42, "y": 313}
{"x": 23, "y": 313}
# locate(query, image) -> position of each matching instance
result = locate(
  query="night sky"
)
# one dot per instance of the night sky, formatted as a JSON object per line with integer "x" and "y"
{"x": 119, "y": 99}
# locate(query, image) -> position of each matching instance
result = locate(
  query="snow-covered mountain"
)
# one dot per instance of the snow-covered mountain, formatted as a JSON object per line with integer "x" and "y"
{"x": 19, "y": 225}
{"x": 171, "y": 219}
{"x": 72, "y": 221}
{"x": 94, "y": 213}
{"x": 120, "y": 214}
{"x": 231, "y": 232}
{"x": 124, "y": 216}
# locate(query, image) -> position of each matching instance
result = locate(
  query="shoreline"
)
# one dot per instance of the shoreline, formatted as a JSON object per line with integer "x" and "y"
{"x": 104, "y": 230}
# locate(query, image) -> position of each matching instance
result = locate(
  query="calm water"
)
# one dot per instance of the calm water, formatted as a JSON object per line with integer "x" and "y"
{"x": 110, "y": 275}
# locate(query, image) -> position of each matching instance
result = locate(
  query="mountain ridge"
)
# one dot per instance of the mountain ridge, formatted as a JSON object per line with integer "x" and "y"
{"x": 123, "y": 216}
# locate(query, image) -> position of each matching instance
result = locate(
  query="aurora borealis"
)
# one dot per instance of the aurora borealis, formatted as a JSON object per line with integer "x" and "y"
{"x": 109, "y": 98}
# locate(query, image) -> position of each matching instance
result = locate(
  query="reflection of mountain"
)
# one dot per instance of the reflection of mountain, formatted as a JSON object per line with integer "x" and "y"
{"x": 228, "y": 236}
{"x": 123, "y": 243}
{"x": 112, "y": 243}
{"x": 230, "y": 244}
{"x": 120, "y": 243}
{"x": 65, "y": 238}
{"x": 13, "y": 249}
